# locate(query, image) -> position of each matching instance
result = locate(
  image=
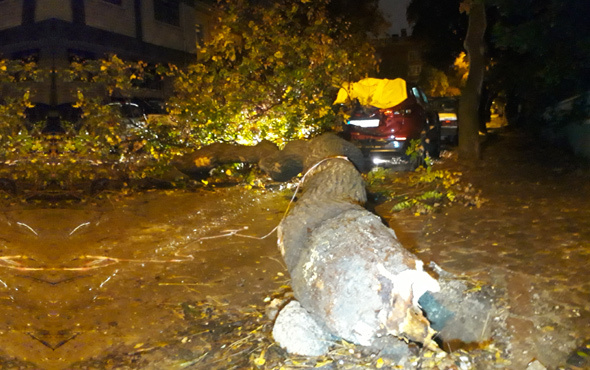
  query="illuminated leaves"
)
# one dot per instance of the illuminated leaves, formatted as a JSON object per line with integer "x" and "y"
{"x": 15, "y": 76}
{"x": 101, "y": 144}
{"x": 423, "y": 191}
{"x": 268, "y": 73}
{"x": 15, "y": 139}
{"x": 111, "y": 73}
{"x": 202, "y": 161}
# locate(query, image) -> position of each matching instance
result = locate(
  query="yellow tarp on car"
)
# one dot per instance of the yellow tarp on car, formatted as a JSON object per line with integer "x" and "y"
{"x": 380, "y": 93}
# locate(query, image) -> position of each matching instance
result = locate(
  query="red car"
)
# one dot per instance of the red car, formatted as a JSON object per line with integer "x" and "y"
{"x": 383, "y": 132}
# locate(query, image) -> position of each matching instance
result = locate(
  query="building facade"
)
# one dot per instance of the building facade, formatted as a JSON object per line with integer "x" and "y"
{"x": 400, "y": 57}
{"x": 54, "y": 32}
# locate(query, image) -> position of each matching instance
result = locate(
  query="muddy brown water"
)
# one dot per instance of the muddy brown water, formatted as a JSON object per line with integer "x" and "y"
{"x": 102, "y": 278}
{"x": 78, "y": 282}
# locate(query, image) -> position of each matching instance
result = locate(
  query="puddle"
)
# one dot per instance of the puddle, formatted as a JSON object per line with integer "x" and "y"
{"x": 76, "y": 282}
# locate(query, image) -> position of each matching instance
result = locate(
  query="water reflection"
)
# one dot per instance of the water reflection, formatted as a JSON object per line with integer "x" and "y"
{"x": 77, "y": 282}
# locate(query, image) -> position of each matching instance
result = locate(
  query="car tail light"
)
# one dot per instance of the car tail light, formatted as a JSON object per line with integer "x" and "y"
{"x": 447, "y": 119}
{"x": 387, "y": 112}
{"x": 399, "y": 112}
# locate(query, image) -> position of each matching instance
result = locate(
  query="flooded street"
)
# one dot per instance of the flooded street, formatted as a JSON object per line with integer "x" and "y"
{"x": 81, "y": 282}
{"x": 105, "y": 284}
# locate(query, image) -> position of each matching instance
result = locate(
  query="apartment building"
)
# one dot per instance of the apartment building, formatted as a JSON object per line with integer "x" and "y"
{"x": 400, "y": 56}
{"x": 53, "y": 32}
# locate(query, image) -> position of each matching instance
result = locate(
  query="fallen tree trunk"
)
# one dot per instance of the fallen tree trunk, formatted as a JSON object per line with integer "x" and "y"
{"x": 355, "y": 281}
{"x": 352, "y": 278}
{"x": 201, "y": 161}
{"x": 281, "y": 165}
{"x": 348, "y": 270}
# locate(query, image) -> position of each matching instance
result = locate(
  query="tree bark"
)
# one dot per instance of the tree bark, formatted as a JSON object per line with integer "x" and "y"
{"x": 348, "y": 270}
{"x": 200, "y": 162}
{"x": 469, "y": 148}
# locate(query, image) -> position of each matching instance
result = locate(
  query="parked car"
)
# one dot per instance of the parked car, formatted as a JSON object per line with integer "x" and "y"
{"x": 448, "y": 109}
{"x": 132, "y": 114}
{"x": 386, "y": 115}
{"x": 568, "y": 122}
{"x": 137, "y": 113}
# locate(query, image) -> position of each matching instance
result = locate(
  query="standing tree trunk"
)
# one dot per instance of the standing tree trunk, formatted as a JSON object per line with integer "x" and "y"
{"x": 469, "y": 149}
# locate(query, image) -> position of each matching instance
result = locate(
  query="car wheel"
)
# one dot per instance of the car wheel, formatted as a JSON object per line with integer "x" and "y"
{"x": 431, "y": 140}
{"x": 414, "y": 162}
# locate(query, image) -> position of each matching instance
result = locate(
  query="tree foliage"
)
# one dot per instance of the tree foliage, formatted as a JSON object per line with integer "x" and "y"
{"x": 15, "y": 77}
{"x": 441, "y": 27}
{"x": 437, "y": 83}
{"x": 15, "y": 138}
{"x": 100, "y": 145}
{"x": 544, "y": 50}
{"x": 138, "y": 148}
{"x": 362, "y": 16}
{"x": 538, "y": 50}
{"x": 268, "y": 73}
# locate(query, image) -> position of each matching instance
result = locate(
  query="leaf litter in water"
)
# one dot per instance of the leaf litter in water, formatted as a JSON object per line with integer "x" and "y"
{"x": 217, "y": 336}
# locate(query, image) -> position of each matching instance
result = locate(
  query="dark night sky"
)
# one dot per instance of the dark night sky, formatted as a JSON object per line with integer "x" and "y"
{"x": 395, "y": 12}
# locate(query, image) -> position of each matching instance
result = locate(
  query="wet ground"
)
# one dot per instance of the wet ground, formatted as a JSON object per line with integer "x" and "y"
{"x": 530, "y": 240}
{"x": 109, "y": 278}
{"x": 137, "y": 281}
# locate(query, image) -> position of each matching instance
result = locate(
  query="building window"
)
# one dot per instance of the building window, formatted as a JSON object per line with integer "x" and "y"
{"x": 30, "y": 55}
{"x": 78, "y": 55}
{"x": 167, "y": 11}
{"x": 413, "y": 56}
